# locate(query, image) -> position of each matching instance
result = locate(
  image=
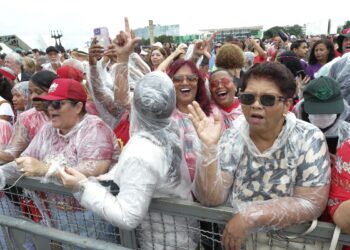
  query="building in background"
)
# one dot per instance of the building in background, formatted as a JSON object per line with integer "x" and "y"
{"x": 159, "y": 30}
{"x": 239, "y": 32}
{"x": 14, "y": 43}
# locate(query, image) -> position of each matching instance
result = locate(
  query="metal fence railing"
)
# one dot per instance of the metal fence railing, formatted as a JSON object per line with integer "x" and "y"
{"x": 47, "y": 215}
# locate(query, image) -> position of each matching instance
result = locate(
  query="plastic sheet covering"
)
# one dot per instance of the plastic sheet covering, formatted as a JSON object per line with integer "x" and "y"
{"x": 27, "y": 126}
{"x": 341, "y": 72}
{"x": 5, "y": 133}
{"x": 286, "y": 184}
{"x": 112, "y": 99}
{"x": 88, "y": 146}
{"x": 22, "y": 89}
{"x": 137, "y": 69}
{"x": 103, "y": 97}
{"x": 151, "y": 165}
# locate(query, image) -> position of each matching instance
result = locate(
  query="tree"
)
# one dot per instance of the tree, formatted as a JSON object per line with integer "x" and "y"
{"x": 345, "y": 26}
{"x": 295, "y": 30}
{"x": 163, "y": 39}
{"x": 144, "y": 42}
{"x": 272, "y": 32}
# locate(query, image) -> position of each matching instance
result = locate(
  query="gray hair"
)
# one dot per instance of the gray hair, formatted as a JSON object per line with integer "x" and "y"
{"x": 16, "y": 57}
{"x": 74, "y": 63}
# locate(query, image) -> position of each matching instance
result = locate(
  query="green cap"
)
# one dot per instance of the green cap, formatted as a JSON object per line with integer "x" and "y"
{"x": 322, "y": 96}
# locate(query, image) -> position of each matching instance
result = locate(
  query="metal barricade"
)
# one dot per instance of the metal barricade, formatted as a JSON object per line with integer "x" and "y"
{"x": 170, "y": 224}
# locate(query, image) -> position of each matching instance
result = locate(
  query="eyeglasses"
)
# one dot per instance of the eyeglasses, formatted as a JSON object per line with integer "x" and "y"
{"x": 58, "y": 104}
{"x": 266, "y": 100}
{"x": 181, "y": 78}
{"x": 223, "y": 81}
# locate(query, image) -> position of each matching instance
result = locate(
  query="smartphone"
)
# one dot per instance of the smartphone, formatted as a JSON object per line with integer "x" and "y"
{"x": 102, "y": 36}
{"x": 332, "y": 142}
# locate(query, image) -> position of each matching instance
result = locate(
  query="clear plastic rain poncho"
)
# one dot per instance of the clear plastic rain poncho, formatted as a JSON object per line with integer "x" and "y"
{"x": 340, "y": 71}
{"x": 110, "y": 90}
{"x": 23, "y": 89}
{"x": 286, "y": 184}
{"x": 151, "y": 165}
{"x": 5, "y": 133}
{"x": 26, "y": 127}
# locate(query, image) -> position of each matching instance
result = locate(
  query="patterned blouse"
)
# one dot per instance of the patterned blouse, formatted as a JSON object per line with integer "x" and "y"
{"x": 298, "y": 157}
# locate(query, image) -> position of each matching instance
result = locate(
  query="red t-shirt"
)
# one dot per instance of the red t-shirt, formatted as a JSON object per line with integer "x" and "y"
{"x": 340, "y": 181}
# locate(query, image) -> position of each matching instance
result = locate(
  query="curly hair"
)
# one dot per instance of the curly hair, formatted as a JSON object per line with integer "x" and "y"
{"x": 201, "y": 95}
{"x": 230, "y": 56}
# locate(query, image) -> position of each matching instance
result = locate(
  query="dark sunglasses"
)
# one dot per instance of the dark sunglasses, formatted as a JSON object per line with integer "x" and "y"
{"x": 189, "y": 78}
{"x": 58, "y": 104}
{"x": 223, "y": 81}
{"x": 266, "y": 100}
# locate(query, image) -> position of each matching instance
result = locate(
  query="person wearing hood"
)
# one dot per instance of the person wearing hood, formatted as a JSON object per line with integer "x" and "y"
{"x": 21, "y": 98}
{"x": 324, "y": 107}
{"x": 271, "y": 167}
{"x": 151, "y": 165}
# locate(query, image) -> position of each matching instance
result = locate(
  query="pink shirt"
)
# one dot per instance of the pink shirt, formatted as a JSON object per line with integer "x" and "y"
{"x": 32, "y": 120}
{"x": 90, "y": 139}
{"x": 5, "y": 132}
{"x": 27, "y": 126}
{"x": 191, "y": 144}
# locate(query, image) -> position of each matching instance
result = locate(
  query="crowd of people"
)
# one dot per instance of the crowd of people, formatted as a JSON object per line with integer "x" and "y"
{"x": 261, "y": 126}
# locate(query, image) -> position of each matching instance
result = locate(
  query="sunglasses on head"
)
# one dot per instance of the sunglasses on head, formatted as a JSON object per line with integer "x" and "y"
{"x": 266, "y": 100}
{"x": 223, "y": 81}
{"x": 58, "y": 104}
{"x": 189, "y": 78}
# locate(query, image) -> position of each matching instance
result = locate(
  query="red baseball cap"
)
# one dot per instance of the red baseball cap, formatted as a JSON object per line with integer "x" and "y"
{"x": 70, "y": 72}
{"x": 8, "y": 73}
{"x": 62, "y": 89}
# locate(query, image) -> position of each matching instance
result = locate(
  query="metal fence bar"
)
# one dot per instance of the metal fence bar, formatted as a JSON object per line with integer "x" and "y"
{"x": 58, "y": 235}
{"x": 128, "y": 238}
{"x": 220, "y": 215}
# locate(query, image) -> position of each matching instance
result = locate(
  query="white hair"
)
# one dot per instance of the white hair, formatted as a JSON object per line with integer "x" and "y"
{"x": 16, "y": 57}
{"x": 74, "y": 63}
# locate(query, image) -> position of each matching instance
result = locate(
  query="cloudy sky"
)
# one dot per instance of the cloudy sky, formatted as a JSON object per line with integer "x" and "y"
{"x": 77, "y": 18}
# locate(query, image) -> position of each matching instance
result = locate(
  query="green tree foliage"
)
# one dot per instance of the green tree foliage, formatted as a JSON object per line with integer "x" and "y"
{"x": 345, "y": 26}
{"x": 272, "y": 32}
{"x": 295, "y": 30}
{"x": 163, "y": 39}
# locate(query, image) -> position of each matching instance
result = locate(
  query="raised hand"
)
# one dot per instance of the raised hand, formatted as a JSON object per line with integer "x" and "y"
{"x": 95, "y": 52}
{"x": 201, "y": 48}
{"x": 123, "y": 44}
{"x": 208, "y": 130}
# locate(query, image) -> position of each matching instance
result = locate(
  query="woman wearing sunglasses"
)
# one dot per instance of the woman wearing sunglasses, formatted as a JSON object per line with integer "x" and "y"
{"x": 223, "y": 92}
{"x": 29, "y": 122}
{"x": 189, "y": 87}
{"x": 273, "y": 167}
{"x": 72, "y": 138}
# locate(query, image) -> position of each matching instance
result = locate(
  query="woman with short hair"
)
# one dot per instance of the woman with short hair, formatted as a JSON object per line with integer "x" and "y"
{"x": 271, "y": 167}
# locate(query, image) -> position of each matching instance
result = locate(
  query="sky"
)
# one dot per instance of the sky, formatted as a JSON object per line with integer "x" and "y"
{"x": 33, "y": 19}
